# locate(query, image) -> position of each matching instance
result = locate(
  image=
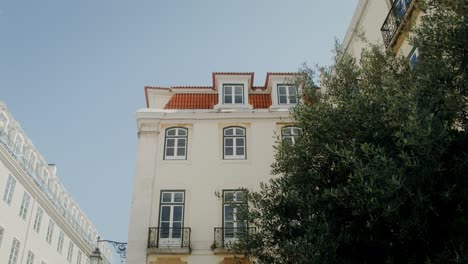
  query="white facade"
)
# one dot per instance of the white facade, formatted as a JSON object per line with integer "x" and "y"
{"x": 39, "y": 221}
{"x": 375, "y": 19}
{"x": 195, "y": 182}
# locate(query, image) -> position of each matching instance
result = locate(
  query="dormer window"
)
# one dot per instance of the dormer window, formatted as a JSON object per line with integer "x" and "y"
{"x": 287, "y": 94}
{"x": 233, "y": 94}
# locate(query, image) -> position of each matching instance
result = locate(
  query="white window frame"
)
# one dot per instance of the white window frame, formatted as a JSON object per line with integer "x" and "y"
{"x": 70, "y": 251}
{"x": 79, "y": 257}
{"x": 9, "y": 190}
{"x": 38, "y": 220}
{"x": 233, "y": 94}
{"x": 287, "y": 94}
{"x": 50, "y": 231}
{"x": 290, "y": 133}
{"x": 30, "y": 258}
{"x": 14, "y": 251}
{"x": 177, "y": 138}
{"x": 61, "y": 239}
{"x": 234, "y": 138}
{"x": 2, "y": 232}
{"x": 23, "y": 213}
{"x": 171, "y": 237}
{"x": 238, "y": 199}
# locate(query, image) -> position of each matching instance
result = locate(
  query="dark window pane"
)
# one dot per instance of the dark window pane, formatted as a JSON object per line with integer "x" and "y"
{"x": 229, "y": 151}
{"x": 239, "y": 142}
{"x": 170, "y": 142}
{"x": 181, "y": 142}
{"x": 238, "y": 99}
{"x": 282, "y": 90}
{"x": 171, "y": 132}
{"x": 228, "y": 99}
{"x": 178, "y": 197}
{"x": 228, "y": 90}
{"x": 229, "y": 132}
{"x": 239, "y": 132}
{"x": 238, "y": 90}
{"x": 228, "y": 142}
{"x": 164, "y": 230}
{"x": 176, "y": 230}
{"x": 182, "y": 132}
{"x": 165, "y": 213}
{"x": 166, "y": 197}
{"x": 170, "y": 152}
{"x": 283, "y": 99}
{"x": 240, "y": 196}
{"x": 228, "y": 213}
{"x": 228, "y": 196}
{"x": 177, "y": 213}
{"x": 240, "y": 151}
{"x": 181, "y": 152}
{"x": 292, "y": 90}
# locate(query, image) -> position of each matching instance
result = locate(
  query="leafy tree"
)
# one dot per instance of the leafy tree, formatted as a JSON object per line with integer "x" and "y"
{"x": 380, "y": 173}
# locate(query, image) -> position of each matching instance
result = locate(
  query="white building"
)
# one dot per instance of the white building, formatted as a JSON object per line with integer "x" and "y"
{"x": 386, "y": 22}
{"x": 196, "y": 147}
{"x": 39, "y": 221}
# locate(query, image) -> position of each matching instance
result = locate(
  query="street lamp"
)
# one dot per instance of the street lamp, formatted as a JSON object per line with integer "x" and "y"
{"x": 96, "y": 256}
{"x": 120, "y": 248}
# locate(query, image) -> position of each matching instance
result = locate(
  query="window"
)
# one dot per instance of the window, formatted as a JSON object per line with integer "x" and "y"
{"x": 50, "y": 231}
{"x": 413, "y": 58}
{"x": 287, "y": 94}
{"x": 2, "y": 231}
{"x": 9, "y": 190}
{"x": 80, "y": 256}
{"x": 232, "y": 199}
{"x": 290, "y": 134}
{"x": 70, "y": 252}
{"x": 176, "y": 144}
{"x": 30, "y": 258}
{"x": 24, "y": 206}
{"x": 233, "y": 94}
{"x": 171, "y": 217}
{"x": 38, "y": 220}
{"x": 60, "y": 242}
{"x": 234, "y": 143}
{"x": 15, "y": 246}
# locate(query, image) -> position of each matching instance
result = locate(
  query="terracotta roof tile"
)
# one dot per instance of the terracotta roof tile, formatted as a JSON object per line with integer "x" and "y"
{"x": 207, "y": 101}
{"x": 192, "y": 101}
{"x": 260, "y": 100}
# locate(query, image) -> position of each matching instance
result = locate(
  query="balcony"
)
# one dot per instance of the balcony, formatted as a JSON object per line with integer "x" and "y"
{"x": 396, "y": 19}
{"x": 169, "y": 240}
{"x": 226, "y": 236}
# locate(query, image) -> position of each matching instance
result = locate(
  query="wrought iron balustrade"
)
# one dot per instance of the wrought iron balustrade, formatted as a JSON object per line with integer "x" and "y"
{"x": 166, "y": 237}
{"x": 395, "y": 17}
{"x": 227, "y": 235}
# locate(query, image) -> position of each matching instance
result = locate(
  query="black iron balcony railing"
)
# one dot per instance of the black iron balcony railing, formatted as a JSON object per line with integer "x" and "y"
{"x": 396, "y": 16}
{"x": 169, "y": 237}
{"x": 223, "y": 236}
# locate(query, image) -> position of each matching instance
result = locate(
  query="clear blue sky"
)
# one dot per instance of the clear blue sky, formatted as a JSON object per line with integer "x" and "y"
{"x": 72, "y": 73}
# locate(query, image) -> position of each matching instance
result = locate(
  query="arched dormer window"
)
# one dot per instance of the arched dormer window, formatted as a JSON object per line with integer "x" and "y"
{"x": 234, "y": 143}
{"x": 289, "y": 134}
{"x": 175, "y": 145}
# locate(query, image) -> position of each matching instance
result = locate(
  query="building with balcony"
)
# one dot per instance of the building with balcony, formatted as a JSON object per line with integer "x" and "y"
{"x": 197, "y": 148}
{"x": 386, "y": 22}
{"x": 39, "y": 220}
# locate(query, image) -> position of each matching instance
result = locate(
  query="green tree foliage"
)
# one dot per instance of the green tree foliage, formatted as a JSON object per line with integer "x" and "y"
{"x": 380, "y": 173}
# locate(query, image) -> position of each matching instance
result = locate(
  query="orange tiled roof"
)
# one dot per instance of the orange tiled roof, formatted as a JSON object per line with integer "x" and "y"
{"x": 260, "y": 100}
{"x": 192, "y": 101}
{"x": 207, "y": 101}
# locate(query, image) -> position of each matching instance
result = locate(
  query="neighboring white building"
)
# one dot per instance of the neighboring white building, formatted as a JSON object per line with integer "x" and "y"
{"x": 196, "y": 147}
{"x": 386, "y": 22}
{"x": 39, "y": 221}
